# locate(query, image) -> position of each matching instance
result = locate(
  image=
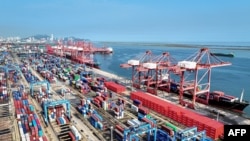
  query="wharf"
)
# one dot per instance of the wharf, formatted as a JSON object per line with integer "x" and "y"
{"x": 224, "y": 116}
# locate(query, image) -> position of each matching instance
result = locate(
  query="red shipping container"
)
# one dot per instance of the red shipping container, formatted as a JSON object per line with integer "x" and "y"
{"x": 72, "y": 136}
{"x": 45, "y": 138}
{"x": 66, "y": 119}
{"x": 168, "y": 130}
{"x": 187, "y": 117}
{"x": 118, "y": 127}
{"x": 57, "y": 121}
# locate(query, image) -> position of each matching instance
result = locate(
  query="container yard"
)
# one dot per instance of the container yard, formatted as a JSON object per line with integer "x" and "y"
{"x": 58, "y": 94}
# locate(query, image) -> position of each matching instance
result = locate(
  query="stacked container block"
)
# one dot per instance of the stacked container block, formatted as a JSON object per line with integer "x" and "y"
{"x": 115, "y": 87}
{"x": 84, "y": 107}
{"x": 74, "y": 134}
{"x": 184, "y": 116}
{"x": 28, "y": 122}
{"x": 96, "y": 120}
{"x": 57, "y": 114}
{"x": 4, "y": 97}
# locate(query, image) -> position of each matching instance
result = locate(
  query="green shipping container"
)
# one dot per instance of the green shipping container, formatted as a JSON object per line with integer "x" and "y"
{"x": 148, "y": 116}
{"x": 76, "y": 77}
{"x": 172, "y": 126}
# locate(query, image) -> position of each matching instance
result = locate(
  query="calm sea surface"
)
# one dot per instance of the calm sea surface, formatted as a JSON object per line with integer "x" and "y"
{"x": 230, "y": 79}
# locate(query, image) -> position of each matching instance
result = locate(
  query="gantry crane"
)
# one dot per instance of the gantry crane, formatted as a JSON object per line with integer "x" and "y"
{"x": 191, "y": 134}
{"x": 8, "y": 68}
{"x": 158, "y": 72}
{"x": 47, "y": 104}
{"x": 198, "y": 67}
{"x": 139, "y": 72}
{"x": 39, "y": 83}
{"x": 133, "y": 132}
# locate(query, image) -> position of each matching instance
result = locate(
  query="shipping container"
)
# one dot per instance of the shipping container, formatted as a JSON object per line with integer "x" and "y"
{"x": 179, "y": 114}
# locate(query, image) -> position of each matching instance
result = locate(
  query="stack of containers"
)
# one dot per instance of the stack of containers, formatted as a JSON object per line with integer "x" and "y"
{"x": 115, "y": 87}
{"x": 41, "y": 96}
{"x": 100, "y": 101}
{"x": 119, "y": 111}
{"x": 147, "y": 119}
{"x": 3, "y": 94}
{"x": 51, "y": 114}
{"x": 173, "y": 127}
{"x": 62, "y": 120}
{"x": 57, "y": 114}
{"x": 143, "y": 110}
{"x": 119, "y": 132}
{"x": 77, "y": 135}
{"x": 134, "y": 123}
{"x": 3, "y": 81}
{"x": 84, "y": 107}
{"x": 96, "y": 120}
{"x": 28, "y": 122}
{"x": 214, "y": 129}
{"x": 72, "y": 137}
{"x": 167, "y": 129}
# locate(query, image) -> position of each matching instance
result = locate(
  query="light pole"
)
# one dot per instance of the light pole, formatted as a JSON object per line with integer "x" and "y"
{"x": 111, "y": 130}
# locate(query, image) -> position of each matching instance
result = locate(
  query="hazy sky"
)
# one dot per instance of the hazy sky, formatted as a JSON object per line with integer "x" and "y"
{"x": 129, "y": 20}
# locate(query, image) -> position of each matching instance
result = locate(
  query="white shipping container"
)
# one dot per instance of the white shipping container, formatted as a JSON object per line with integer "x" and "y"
{"x": 64, "y": 121}
{"x": 23, "y": 139}
{"x": 122, "y": 114}
{"x": 134, "y": 108}
{"x": 21, "y": 132}
{"x": 104, "y": 105}
{"x": 27, "y": 136}
{"x": 84, "y": 101}
{"x": 137, "y": 121}
{"x": 187, "y": 64}
{"x": 133, "y": 62}
{"x": 80, "y": 136}
{"x": 40, "y": 139}
{"x": 150, "y": 65}
{"x": 74, "y": 130}
{"x": 130, "y": 123}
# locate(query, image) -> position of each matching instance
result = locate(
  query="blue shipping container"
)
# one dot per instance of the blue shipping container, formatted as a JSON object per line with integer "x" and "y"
{"x": 34, "y": 123}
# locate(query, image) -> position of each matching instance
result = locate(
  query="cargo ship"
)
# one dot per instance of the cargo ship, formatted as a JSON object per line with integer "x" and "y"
{"x": 223, "y": 54}
{"x": 218, "y": 99}
{"x": 86, "y": 60}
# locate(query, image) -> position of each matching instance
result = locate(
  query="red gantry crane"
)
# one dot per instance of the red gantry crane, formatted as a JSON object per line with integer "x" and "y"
{"x": 158, "y": 77}
{"x": 199, "y": 67}
{"x": 139, "y": 72}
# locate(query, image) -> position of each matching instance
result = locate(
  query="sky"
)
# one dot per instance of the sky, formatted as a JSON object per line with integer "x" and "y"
{"x": 129, "y": 20}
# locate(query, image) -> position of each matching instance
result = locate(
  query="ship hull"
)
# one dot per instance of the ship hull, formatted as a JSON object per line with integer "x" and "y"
{"x": 222, "y": 54}
{"x": 235, "y": 105}
{"x": 94, "y": 65}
